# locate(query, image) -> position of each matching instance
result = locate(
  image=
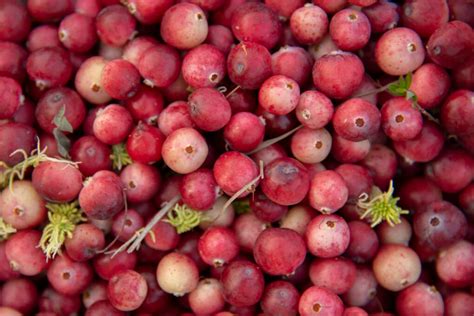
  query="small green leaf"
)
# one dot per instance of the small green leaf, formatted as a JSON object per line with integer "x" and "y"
{"x": 61, "y": 121}
{"x": 63, "y": 142}
{"x": 408, "y": 79}
{"x": 396, "y": 90}
{"x": 410, "y": 95}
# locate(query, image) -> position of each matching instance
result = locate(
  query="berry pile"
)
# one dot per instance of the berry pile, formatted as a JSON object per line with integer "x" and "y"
{"x": 236, "y": 157}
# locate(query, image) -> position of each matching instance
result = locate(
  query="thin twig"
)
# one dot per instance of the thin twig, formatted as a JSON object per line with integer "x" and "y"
{"x": 275, "y": 140}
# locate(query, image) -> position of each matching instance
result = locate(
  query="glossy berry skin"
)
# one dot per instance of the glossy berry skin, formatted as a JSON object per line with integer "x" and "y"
{"x": 279, "y": 95}
{"x": 420, "y": 297}
{"x": 159, "y": 65}
{"x": 15, "y": 136}
{"x": 399, "y": 51}
{"x": 92, "y": 154}
{"x": 440, "y": 224}
{"x": 424, "y": 17}
{"x": 199, "y": 189}
{"x": 69, "y": 277}
{"x": 309, "y": 24}
{"x": 49, "y": 67}
{"x": 218, "y": 246}
{"x": 112, "y": 124}
{"x": 328, "y": 192}
{"x": 175, "y": 116}
{"x": 452, "y": 170}
{"x": 120, "y": 79}
{"x": 77, "y": 32}
{"x": 350, "y": 29}
{"x": 286, "y": 181}
{"x": 22, "y": 206}
{"x": 279, "y": 251}
{"x": 184, "y": 26}
{"x": 53, "y": 101}
{"x": 10, "y": 96}
{"x": 311, "y": 145}
{"x": 317, "y": 300}
{"x": 243, "y": 283}
{"x": 400, "y": 120}
{"x": 127, "y": 290}
{"x": 204, "y": 66}
{"x": 57, "y": 181}
{"x": 15, "y": 22}
{"x": 249, "y": 64}
{"x": 177, "y": 274}
{"x": 149, "y": 12}
{"x": 431, "y": 84}
{"x": 102, "y": 196}
{"x": 396, "y": 267}
{"x": 451, "y": 44}
{"x": 336, "y": 274}
{"x": 88, "y": 81}
{"x": 255, "y": 22}
{"x": 280, "y": 297}
{"x": 424, "y": 147}
{"x": 85, "y": 242}
{"x": 209, "y": 109}
{"x": 220, "y": 37}
{"x": 20, "y": 294}
{"x": 314, "y": 109}
{"x": 184, "y": 150}
{"x": 457, "y": 112}
{"x": 115, "y": 15}
{"x": 144, "y": 144}
{"x": 357, "y": 178}
{"x": 330, "y": 74}
{"x": 364, "y": 242}
{"x": 452, "y": 264}
{"x": 23, "y": 254}
{"x": 141, "y": 182}
{"x": 244, "y": 121}
{"x": 327, "y": 236}
{"x": 107, "y": 266}
{"x": 233, "y": 170}
{"x": 13, "y": 58}
{"x": 356, "y": 119}
{"x": 293, "y": 62}
{"x": 146, "y": 105}
{"x": 383, "y": 16}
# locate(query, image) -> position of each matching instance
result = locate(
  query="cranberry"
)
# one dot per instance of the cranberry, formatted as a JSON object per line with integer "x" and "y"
{"x": 249, "y": 64}
{"x": 255, "y": 22}
{"x": 399, "y": 51}
{"x": 243, "y": 283}
{"x": 184, "y": 26}
{"x": 285, "y": 181}
{"x": 145, "y": 143}
{"x": 330, "y": 74}
{"x": 115, "y": 25}
{"x": 279, "y": 251}
{"x": 204, "y": 66}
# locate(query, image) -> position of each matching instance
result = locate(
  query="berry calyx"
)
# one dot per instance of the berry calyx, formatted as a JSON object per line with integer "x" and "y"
{"x": 380, "y": 206}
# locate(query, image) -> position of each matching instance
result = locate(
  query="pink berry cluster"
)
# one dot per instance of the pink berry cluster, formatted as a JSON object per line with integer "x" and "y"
{"x": 237, "y": 157}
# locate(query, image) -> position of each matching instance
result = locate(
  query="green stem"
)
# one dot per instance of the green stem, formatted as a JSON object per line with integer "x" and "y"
{"x": 18, "y": 171}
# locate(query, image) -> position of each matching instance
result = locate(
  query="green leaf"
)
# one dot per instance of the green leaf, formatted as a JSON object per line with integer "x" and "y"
{"x": 61, "y": 121}
{"x": 408, "y": 79}
{"x": 396, "y": 90}
{"x": 63, "y": 142}
{"x": 410, "y": 95}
